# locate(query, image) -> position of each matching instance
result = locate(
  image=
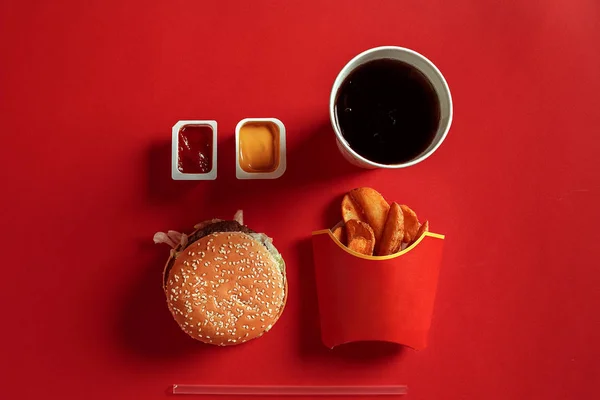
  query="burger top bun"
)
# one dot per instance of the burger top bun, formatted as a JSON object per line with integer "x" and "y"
{"x": 225, "y": 289}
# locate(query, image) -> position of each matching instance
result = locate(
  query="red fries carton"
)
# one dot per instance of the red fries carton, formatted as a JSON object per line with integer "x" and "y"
{"x": 381, "y": 298}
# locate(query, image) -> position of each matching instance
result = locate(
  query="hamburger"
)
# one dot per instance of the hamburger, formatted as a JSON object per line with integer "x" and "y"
{"x": 225, "y": 283}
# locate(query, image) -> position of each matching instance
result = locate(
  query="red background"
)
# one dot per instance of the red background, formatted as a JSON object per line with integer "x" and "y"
{"x": 89, "y": 92}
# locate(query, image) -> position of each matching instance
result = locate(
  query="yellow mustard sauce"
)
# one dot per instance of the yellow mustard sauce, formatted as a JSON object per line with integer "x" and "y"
{"x": 259, "y": 147}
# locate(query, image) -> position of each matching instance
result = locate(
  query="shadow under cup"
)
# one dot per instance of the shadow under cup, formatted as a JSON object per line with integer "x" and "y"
{"x": 436, "y": 84}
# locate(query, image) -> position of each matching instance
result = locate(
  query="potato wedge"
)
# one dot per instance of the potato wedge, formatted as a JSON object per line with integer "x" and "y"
{"x": 393, "y": 232}
{"x": 340, "y": 234}
{"x": 424, "y": 228}
{"x": 373, "y": 206}
{"x": 350, "y": 210}
{"x": 411, "y": 224}
{"x": 360, "y": 237}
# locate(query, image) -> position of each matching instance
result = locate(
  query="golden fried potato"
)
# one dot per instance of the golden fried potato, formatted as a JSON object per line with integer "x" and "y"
{"x": 424, "y": 228}
{"x": 340, "y": 234}
{"x": 350, "y": 210}
{"x": 393, "y": 232}
{"x": 373, "y": 206}
{"x": 411, "y": 224}
{"x": 360, "y": 237}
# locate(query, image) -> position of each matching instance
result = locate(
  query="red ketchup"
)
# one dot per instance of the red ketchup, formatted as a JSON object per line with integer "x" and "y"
{"x": 195, "y": 149}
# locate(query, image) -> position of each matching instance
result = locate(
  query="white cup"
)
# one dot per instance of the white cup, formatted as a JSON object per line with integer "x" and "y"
{"x": 417, "y": 61}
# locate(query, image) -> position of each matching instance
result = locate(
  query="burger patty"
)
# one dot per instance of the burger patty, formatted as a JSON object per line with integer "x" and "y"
{"x": 221, "y": 226}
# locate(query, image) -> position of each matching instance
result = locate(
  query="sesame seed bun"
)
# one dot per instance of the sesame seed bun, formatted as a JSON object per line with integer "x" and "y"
{"x": 225, "y": 289}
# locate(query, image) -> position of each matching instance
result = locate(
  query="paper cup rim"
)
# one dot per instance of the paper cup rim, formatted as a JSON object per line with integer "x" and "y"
{"x": 349, "y": 67}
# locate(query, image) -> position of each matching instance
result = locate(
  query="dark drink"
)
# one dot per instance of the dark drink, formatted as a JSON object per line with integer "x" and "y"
{"x": 387, "y": 111}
